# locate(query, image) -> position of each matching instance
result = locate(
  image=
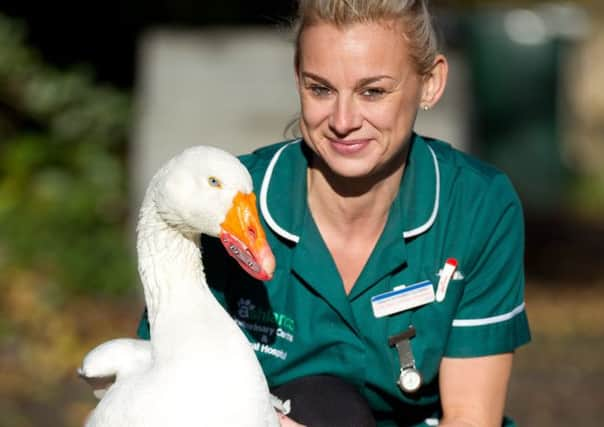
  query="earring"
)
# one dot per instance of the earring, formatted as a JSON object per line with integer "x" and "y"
{"x": 425, "y": 107}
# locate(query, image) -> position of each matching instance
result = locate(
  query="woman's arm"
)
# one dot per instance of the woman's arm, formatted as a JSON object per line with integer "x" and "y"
{"x": 473, "y": 390}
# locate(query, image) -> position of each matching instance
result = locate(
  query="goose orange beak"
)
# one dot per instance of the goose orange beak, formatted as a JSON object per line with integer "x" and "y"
{"x": 243, "y": 237}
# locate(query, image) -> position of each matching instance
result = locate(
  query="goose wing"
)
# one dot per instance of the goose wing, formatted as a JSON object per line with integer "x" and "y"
{"x": 113, "y": 361}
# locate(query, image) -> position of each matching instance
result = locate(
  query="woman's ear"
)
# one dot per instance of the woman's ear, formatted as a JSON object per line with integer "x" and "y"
{"x": 435, "y": 82}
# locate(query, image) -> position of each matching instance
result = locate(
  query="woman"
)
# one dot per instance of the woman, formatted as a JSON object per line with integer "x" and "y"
{"x": 362, "y": 206}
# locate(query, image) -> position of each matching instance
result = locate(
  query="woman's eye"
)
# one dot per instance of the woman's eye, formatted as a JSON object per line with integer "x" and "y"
{"x": 319, "y": 91}
{"x": 373, "y": 92}
{"x": 214, "y": 182}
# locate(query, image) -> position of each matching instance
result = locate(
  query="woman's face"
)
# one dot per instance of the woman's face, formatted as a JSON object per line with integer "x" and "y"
{"x": 359, "y": 94}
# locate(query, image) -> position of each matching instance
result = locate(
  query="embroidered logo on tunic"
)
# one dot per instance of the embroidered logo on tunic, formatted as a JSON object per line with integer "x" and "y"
{"x": 245, "y": 306}
{"x": 265, "y": 326}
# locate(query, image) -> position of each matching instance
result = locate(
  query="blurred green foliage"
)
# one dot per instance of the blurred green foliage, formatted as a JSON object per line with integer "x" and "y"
{"x": 63, "y": 146}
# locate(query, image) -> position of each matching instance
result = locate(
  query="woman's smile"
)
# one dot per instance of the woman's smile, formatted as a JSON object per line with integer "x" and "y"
{"x": 350, "y": 146}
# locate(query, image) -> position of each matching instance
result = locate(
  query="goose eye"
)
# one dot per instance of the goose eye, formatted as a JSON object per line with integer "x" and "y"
{"x": 214, "y": 182}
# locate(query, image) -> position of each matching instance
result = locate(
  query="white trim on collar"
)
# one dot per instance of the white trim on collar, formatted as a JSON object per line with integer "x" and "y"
{"x": 423, "y": 228}
{"x": 263, "y": 197}
{"x": 294, "y": 238}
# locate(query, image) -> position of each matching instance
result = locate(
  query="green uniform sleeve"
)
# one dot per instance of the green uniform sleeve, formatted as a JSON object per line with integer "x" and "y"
{"x": 491, "y": 317}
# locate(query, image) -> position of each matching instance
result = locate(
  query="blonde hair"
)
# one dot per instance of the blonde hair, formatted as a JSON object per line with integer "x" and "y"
{"x": 414, "y": 16}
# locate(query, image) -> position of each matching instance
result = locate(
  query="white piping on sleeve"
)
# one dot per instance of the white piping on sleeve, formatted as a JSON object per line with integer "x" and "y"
{"x": 422, "y": 228}
{"x": 431, "y": 421}
{"x": 489, "y": 320}
{"x": 264, "y": 194}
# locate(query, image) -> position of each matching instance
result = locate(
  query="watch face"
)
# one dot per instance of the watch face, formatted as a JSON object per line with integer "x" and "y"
{"x": 410, "y": 380}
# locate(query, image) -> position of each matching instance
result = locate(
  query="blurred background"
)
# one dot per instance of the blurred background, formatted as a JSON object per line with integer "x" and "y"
{"x": 94, "y": 96}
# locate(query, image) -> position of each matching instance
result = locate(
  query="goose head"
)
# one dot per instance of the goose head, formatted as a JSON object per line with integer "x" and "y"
{"x": 206, "y": 190}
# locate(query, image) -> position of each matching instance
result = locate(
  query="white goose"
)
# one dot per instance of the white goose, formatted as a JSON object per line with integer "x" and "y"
{"x": 198, "y": 369}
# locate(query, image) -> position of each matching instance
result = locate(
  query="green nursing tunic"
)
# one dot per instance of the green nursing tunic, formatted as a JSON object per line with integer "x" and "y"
{"x": 449, "y": 205}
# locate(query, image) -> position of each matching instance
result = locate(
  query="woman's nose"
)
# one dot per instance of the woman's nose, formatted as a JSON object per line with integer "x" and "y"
{"x": 345, "y": 116}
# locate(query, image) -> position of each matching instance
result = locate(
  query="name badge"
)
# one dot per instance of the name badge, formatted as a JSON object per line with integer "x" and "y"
{"x": 401, "y": 299}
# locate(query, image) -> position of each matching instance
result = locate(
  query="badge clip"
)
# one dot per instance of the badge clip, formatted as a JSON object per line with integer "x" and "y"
{"x": 410, "y": 379}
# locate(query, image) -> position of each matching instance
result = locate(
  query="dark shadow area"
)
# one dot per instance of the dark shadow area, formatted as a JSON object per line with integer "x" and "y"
{"x": 562, "y": 249}
{"x": 105, "y": 34}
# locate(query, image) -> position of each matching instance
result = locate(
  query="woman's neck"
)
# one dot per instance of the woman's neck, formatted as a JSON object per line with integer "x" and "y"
{"x": 347, "y": 204}
{"x": 351, "y": 215}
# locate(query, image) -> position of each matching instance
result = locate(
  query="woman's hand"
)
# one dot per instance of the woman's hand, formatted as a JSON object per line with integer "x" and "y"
{"x": 288, "y": 422}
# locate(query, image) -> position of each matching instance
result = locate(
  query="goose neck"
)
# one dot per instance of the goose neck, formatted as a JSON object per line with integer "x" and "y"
{"x": 171, "y": 271}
